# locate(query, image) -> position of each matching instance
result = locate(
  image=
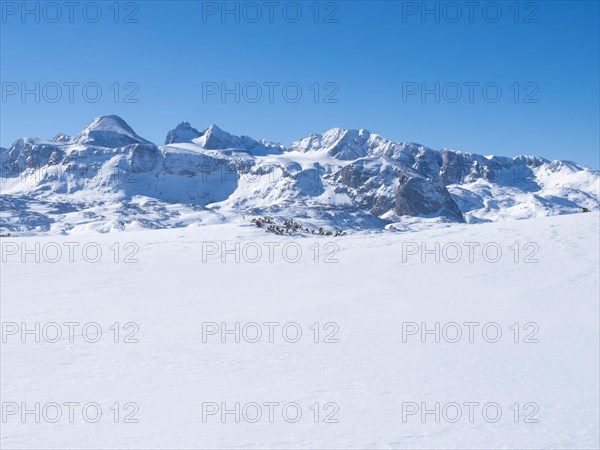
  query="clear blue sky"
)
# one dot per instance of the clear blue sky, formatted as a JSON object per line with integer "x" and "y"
{"x": 368, "y": 53}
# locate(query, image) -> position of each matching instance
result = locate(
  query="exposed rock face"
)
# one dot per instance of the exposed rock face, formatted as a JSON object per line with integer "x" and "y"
{"x": 183, "y": 133}
{"x": 62, "y": 138}
{"x": 30, "y": 154}
{"x": 345, "y": 145}
{"x": 143, "y": 157}
{"x": 384, "y": 187}
{"x": 417, "y": 197}
{"x": 214, "y": 138}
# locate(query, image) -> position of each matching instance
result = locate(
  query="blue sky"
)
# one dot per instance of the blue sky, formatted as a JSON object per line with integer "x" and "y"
{"x": 374, "y": 58}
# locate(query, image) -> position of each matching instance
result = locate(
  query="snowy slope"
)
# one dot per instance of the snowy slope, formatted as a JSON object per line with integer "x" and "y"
{"x": 372, "y": 284}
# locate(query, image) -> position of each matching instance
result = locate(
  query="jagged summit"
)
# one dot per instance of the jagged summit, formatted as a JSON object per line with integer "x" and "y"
{"x": 109, "y": 131}
{"x": 215, "y": 138}
{"x": 346, "y": 144}
{"x": 62, "y": 138}
{"x": 182, "y": 133}
{"x": 109, "y": 122}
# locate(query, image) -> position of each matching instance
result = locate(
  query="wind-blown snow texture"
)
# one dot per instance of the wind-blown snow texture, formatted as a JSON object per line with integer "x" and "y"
{"x": 109, "y": 178}
{"x": 368, "y": 289}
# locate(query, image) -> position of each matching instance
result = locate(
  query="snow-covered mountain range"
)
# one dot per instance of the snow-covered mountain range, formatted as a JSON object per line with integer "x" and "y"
{"x": 108, "y": 178}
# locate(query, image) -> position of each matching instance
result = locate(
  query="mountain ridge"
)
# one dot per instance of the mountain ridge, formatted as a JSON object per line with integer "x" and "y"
{"x": 343, "y": 178}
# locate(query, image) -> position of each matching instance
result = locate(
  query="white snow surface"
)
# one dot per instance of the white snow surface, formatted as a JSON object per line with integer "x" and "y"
{"x": 368, "y": 293}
